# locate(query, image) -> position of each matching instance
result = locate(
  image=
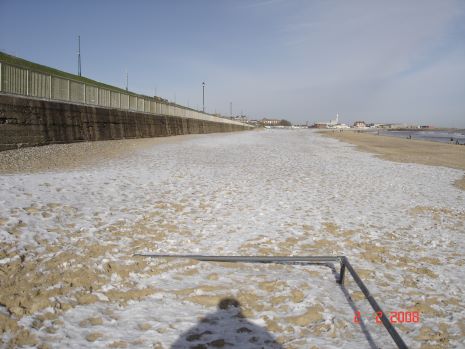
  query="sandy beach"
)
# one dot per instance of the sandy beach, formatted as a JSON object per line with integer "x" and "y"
{"x": 68, "y": 235}
{"x": 71, "y": 156}
{"x": 406, "y": 150}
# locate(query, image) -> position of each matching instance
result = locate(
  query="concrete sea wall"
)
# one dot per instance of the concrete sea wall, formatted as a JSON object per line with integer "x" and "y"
{"x": 28, "y": 122}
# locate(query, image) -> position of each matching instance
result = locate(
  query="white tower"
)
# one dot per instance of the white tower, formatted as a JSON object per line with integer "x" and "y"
{"x": 337, "y": 118}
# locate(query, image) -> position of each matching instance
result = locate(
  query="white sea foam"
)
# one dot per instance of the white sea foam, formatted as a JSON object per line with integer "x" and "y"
{"x": 238, "y": 193}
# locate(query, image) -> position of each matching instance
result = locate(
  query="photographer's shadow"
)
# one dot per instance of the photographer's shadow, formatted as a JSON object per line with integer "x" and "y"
{"x": 226, "y": 328}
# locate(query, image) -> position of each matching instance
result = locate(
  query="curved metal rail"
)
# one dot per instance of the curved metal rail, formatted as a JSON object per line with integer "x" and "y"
{"x": 342, "y": 260}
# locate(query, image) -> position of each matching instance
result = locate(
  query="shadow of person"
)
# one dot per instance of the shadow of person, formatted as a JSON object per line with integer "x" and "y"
{"x": 226, "y": 328}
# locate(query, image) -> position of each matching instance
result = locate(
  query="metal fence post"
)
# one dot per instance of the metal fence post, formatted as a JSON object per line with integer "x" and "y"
{"x": 69, "y": 92}
{"x": 50, "y": 87}
{"x": 1, "y": 77}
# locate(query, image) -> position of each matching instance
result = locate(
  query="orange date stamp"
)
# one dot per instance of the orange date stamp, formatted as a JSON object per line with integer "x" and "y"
{"x": 394, "y": 317}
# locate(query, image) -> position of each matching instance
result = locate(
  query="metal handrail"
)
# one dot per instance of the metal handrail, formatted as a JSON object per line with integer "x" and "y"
{"x": 344, "y": 263}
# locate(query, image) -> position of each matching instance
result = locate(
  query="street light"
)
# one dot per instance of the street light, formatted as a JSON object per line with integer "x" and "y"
{"x": 127, "y": 80}
{"x": 79, "y": 55}
{"x": 203, "y": 97}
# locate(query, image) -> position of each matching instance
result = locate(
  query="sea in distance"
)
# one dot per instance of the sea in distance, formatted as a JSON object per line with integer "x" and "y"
{"x": 443, "y": 136}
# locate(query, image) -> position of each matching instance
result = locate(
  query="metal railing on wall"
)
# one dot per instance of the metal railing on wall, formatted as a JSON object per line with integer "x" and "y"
{"x": 30, "y": 83}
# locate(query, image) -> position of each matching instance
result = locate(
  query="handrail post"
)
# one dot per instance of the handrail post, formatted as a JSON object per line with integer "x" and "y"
{"x": 342, "y": 272}
{"x": 387, "y": 324}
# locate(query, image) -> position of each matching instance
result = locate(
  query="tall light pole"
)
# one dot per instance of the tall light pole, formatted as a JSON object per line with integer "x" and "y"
{"x": 79, "y": 55}
{"x": 127, "y": 80}
{"x": 203, "y": 97}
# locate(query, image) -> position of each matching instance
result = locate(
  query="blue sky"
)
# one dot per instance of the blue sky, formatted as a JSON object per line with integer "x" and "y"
{"x": 379, "y": 61}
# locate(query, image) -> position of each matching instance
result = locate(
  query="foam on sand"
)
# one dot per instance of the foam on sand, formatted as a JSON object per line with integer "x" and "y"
{"x": 69, "y": 277}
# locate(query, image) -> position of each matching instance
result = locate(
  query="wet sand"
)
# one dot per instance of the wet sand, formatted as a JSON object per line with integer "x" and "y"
{"x": 406, "y": 150}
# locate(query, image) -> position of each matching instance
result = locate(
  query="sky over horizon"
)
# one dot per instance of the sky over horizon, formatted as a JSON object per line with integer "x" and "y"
{"x": 378, "y": 61}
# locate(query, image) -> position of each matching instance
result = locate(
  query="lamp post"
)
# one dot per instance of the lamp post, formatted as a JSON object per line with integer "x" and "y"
{"x": 203, "y": 97}
{"x": 79, "y": 55}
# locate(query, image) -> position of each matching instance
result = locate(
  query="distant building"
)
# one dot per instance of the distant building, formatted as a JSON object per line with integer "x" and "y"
{"x": 396, "y": 126}
{"x": 320, "y": 125}
{"x": 270, "y": 122}
{"x": 360, "y": 124}
{"x": 331, "y": 124}
{"x": 426, "y": 126}
{"x": 240, "y": 118}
